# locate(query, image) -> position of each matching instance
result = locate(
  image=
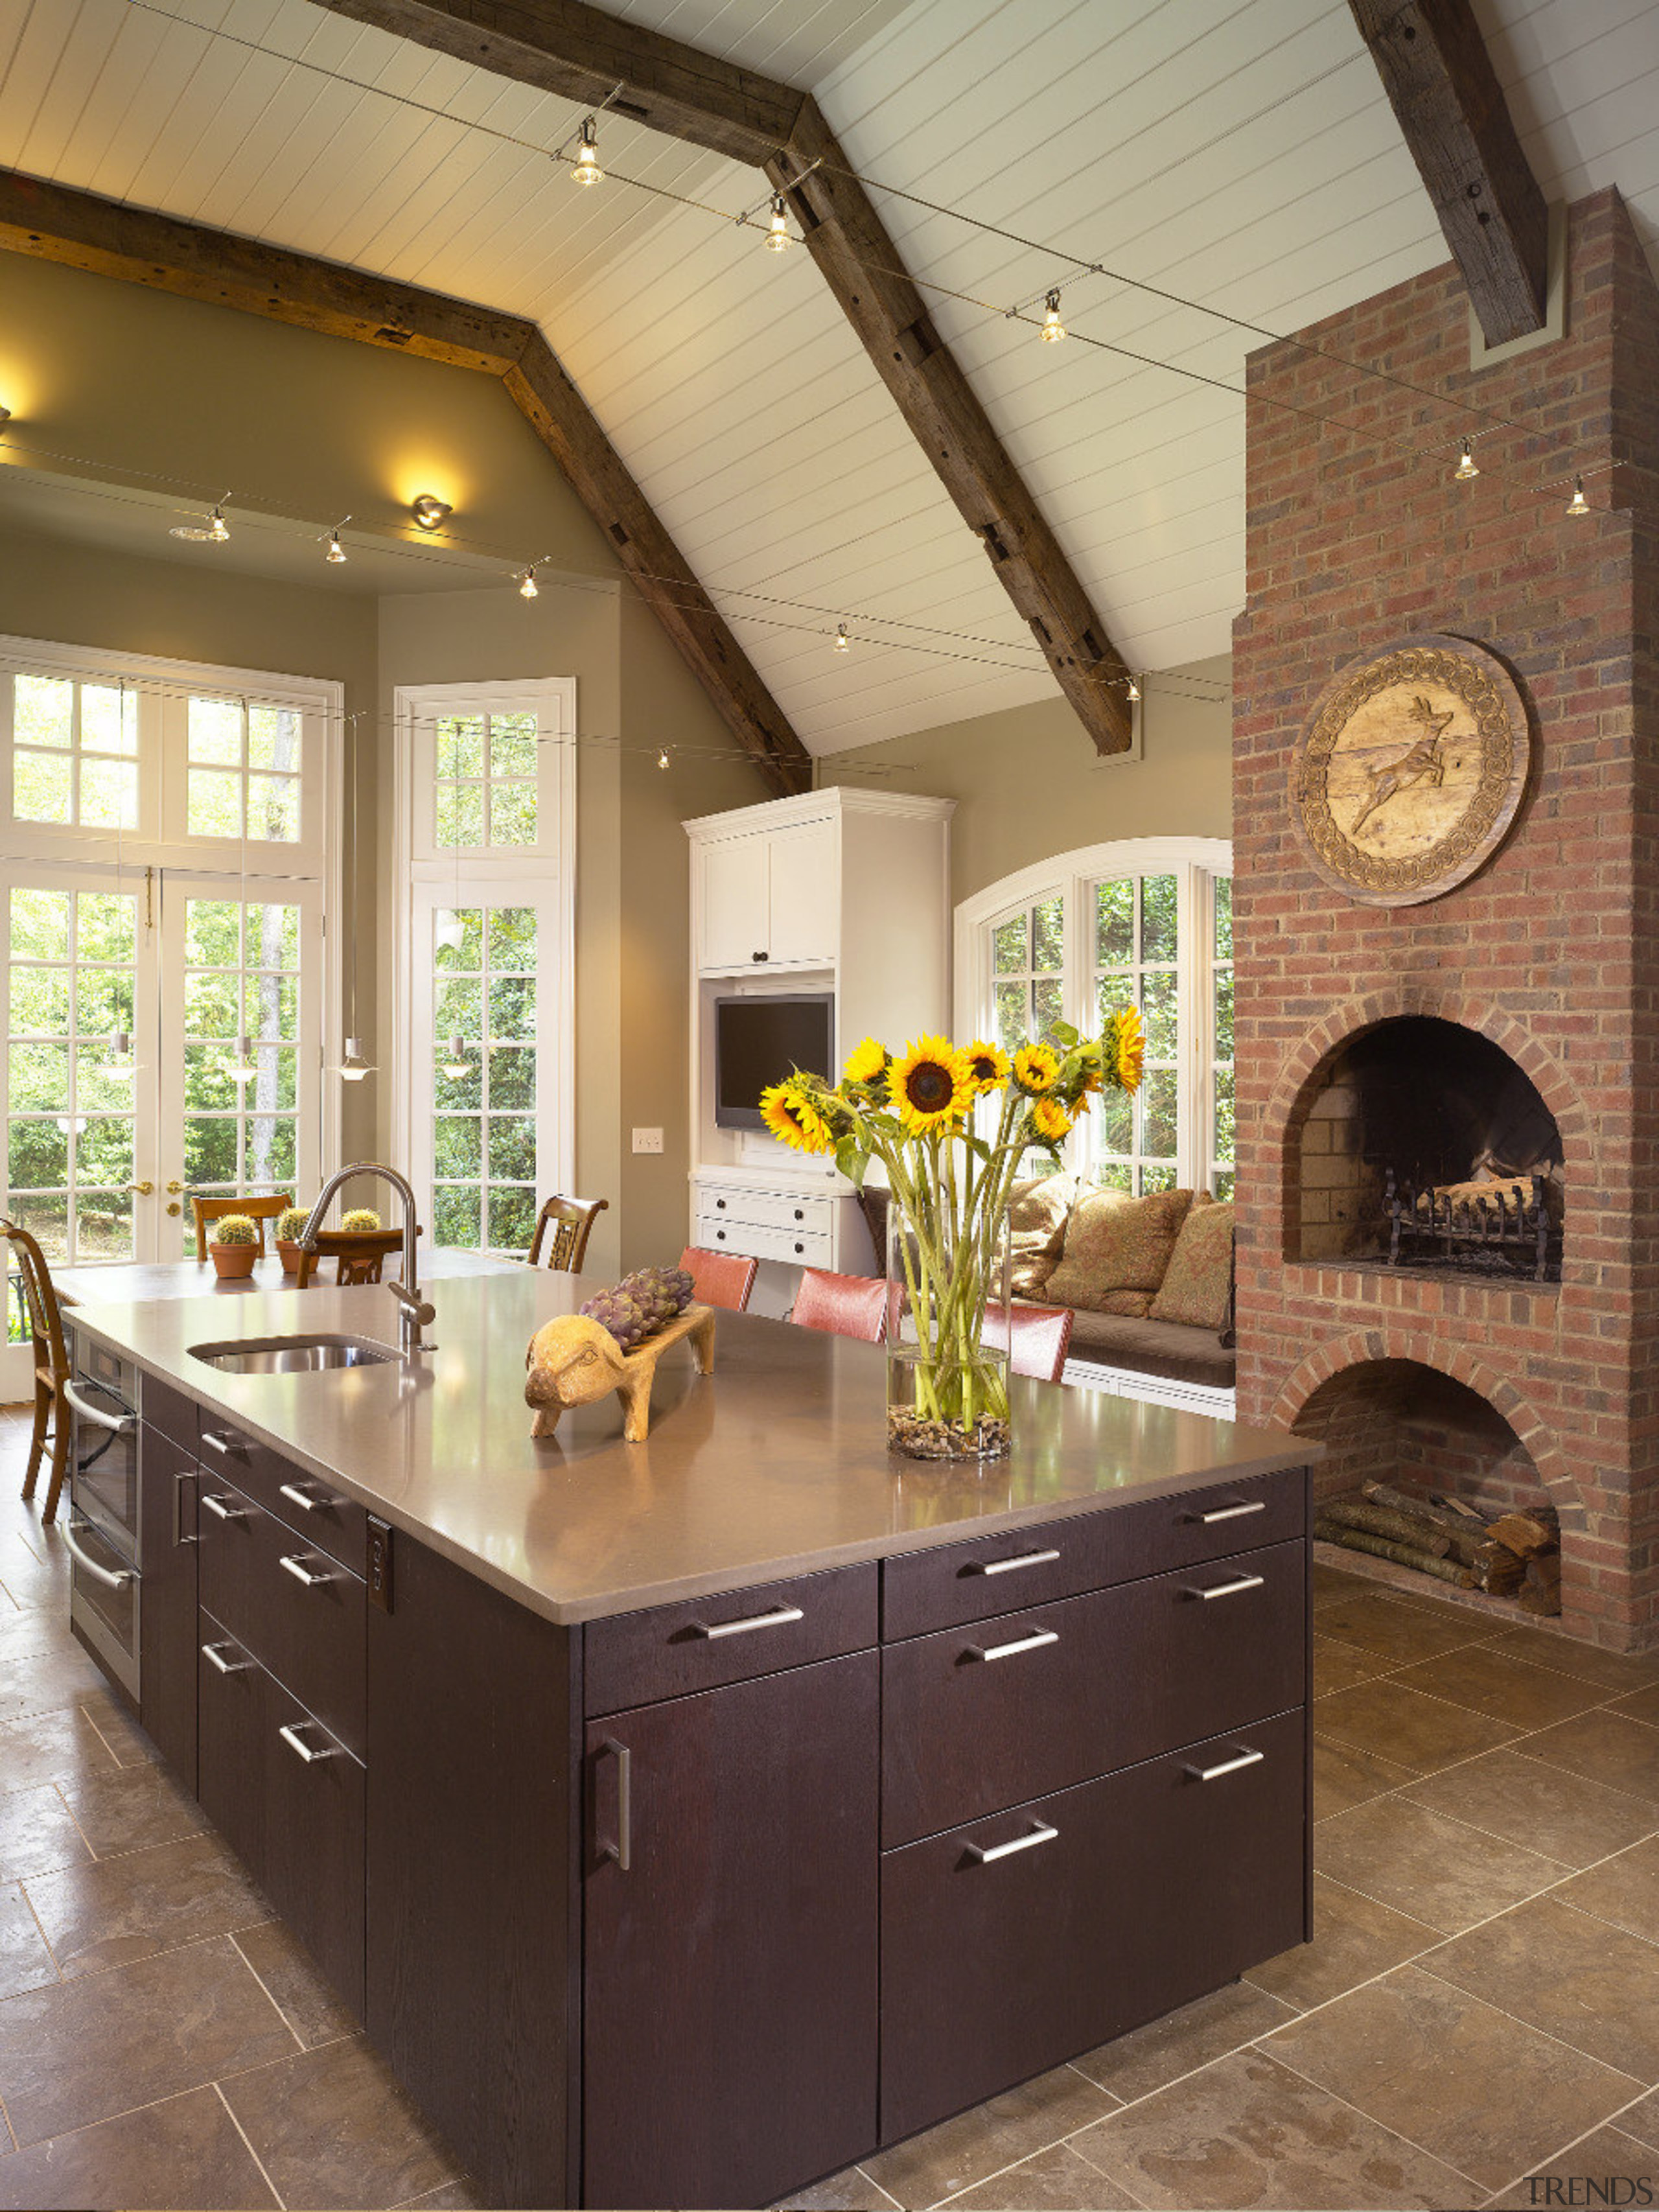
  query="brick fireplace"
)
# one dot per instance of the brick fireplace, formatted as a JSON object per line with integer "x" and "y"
{"x": 1500, "y": 1386}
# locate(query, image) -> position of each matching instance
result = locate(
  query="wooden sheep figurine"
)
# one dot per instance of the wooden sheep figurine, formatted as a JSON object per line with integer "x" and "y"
{"x": 574, "y": 1360}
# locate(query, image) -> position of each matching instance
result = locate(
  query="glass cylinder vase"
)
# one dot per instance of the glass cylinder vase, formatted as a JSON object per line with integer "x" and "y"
{"x": 947, "y": 1390}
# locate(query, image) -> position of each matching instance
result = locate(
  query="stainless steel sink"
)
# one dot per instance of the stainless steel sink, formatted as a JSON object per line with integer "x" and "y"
{"x": 291, "y": 1355}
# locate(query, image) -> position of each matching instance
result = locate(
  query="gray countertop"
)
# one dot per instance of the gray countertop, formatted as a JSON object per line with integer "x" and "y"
{"x": 774, "y": 1464}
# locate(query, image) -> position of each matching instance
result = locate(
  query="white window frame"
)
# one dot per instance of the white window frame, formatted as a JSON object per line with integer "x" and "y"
{"x": 1193, "y": 862}
{"x": 486, "y": 875}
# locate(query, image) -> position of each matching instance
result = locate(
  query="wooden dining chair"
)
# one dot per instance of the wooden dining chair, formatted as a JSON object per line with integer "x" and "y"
{"x": 359, "y": 1254}
{"x": 257, "y": 1210}
{"x": 841, "y": 1305}
{"x": 52, "y": 1365}
{"x": 720, "y": 1278}
{"x": 1035, "y": 1337}
{"x": 567, "y": 1224}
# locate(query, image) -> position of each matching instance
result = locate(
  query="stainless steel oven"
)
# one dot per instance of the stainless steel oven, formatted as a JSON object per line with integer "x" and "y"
{"x": 102, "y": 1533}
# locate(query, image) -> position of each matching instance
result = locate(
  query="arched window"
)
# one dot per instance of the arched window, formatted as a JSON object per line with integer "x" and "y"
{"x": 1146, "y": 920}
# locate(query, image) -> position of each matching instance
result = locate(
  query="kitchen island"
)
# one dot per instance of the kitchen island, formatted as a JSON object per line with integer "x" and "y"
{"x": 685, "y": 1819}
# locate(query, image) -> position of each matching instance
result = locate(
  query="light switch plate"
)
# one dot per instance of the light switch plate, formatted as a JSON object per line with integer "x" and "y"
{"x": 647, "y": 1140}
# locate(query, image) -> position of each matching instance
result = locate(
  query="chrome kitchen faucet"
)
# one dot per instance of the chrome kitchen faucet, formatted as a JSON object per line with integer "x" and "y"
{"x": 413, "y": 1311}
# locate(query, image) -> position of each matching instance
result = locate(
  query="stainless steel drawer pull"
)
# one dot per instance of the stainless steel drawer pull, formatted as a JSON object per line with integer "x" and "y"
{"x": 213, "y": 1653}
{"x": 220, "y": 1510}
{"x": 1008, "y": 1566}
{"x": 301, "y": 1572}
{"x": 302, "y": 1499}
{"x": 122, "y": 1425}
{"x": 779, "y": 1617}
{"x": 1020, "y": 1643}
{"x": 1230, "y": 1512}
{"x": 112, "y": 1579}
{"x": 1227, "y": 1766}
{"x": 294, "y": 1741}
{"x": 227, "y": 1447}
{"x": 1043, "y": 1833}
{"x": 1231, "y": 1589}
{"x": 622, "y": 1850}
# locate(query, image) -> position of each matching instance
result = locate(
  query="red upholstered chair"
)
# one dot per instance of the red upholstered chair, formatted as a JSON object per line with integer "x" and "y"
{"x": 720, "y": 1278}
{"x": 1035, "y": 1337}
{"x": 841, "y": 1305}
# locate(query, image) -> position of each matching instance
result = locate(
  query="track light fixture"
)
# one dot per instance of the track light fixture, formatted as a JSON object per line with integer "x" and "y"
{"x": 1053, "y": 329}
{"x": 1578, "y": 504}
{"x": 587, "y": 170}
{"x": 843, "y": 643}
{"x": 1467, "y": 467}
{"x": 1134, "y": 692}
{"x": 662, "y": 756}
{"x": 429, "y": 510}
{"x": 337, "y": 552}
{"x": 527, "y": 585}
{"x": 218, "y": 528}
{"x": 778, "y": 240}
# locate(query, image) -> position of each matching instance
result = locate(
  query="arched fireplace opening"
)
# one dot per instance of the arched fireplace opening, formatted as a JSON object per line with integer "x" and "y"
{"x": 1426, "y": 1147}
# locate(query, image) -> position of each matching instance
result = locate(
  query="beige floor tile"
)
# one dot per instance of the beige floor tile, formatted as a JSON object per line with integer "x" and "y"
{"x": 129, "y": 1807}
{"x": 1056, "y": 2180}
{"x": 961, "y": 2153}
{"x": 1401, "y": 1631}
{"x": 25, "y": 1961}
{"x": 130, "y": 1907}
{"x": 1247, "y": 2132}
{"x": 454, "y": 2197}
{"x": 1424, "y": 1733}
{"x": 61, "y": 1747}
{"x": 332, "y": 2130}
{"x": 38, "y": 1833}
{"x": 1603, "y": 1747}
{"x": 1355, "y": 1938}
{"x": 1595, "y": 1987}
{"x": 184, "y": 2151}
{"x": 1428, "y": 1867}
{"x": 1604, "y": 2159}
{"x": 1470, "y": 2083}
{"x": 1148, "y": 2058}
{"x": 51, "y": 1681}
{"x": 1641, "y": 1705}
{"x": 851, "y": 2191}
{"x": 297, "y": 1987}
{"x": 1340, "y": 1666}
{"x": 1624, "y": 1889}
{"x": 1641, "y": 2121}
{"x": 1332, "y": 1584}
{"x": 1501, "y": 1686}
{"x": 1344, "y": 1775}
{"x": 1527, "y": 1803}
{"x": 1614, "y": 1671}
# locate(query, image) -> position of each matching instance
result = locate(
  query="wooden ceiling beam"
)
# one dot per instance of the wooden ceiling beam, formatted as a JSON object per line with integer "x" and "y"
{"x": 1446, "y": 98}
{"x": 54, "y": 222}
{"x": 568, "y": 47}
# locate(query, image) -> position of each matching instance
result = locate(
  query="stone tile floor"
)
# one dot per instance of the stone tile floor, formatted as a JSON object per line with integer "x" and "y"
{"x": 1481, "y": 2005}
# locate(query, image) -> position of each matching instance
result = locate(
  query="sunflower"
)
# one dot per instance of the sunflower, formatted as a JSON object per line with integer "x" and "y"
{"x": 1035, "y": 1067}
{"x": 1050, "y": 1120}
{"x": 929, "y": 1085}
{"x": 790, "y": 1115}
{"x": 1125, "y": 1043}
{"x": 987, "y": 1064}
{"x": 865, "y": 1062}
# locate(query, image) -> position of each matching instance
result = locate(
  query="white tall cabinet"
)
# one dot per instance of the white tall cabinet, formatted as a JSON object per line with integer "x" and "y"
{"x": 842, "y": 890}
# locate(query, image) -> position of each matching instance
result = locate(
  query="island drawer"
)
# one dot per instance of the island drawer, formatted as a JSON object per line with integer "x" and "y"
{"x": 636, "y": 1658}
{"x": 310, "y": 1506}
{"x": 168, "y": 1410}
{"x": 295, "y": 1608}
{"x": 955, "y": 1583}
{"x": 1118, "y": 1900}
{"x": 975, "y": 1719}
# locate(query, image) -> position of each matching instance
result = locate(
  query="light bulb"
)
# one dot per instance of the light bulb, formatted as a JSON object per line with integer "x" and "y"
{"x": 527, "y": 585}
{"x": 218, "y": 528}
{"x": 1467, "y": 468}
{"x": 843, "y": 643}
{"x": 1053, "y": 329}
{"x": 353, "y": 1066}
{"x": 456, "y": 1065}
{"x": 244, "y": 1067}
{"x": 336, "y": 550}
{"x": 662, "y": 758}
{"x": 587, "y": 170}
{"x": 1134, "y": 690}
{"x": 778, "y": 240}
{"x": 1578, "y": 504}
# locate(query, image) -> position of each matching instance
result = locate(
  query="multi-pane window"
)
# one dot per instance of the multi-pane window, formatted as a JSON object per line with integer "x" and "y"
{"x": 1221, "y": 1057}
{"x": 1028, "y": 956}
{"x": 1133, "y": 1141}
{"x": 241, "y": 981}
{"x": 484, "y": 783}
{"x": 68, "y": 1107}
{"x": 484, "y": 1004}
{"x": 75, "y": 753}
{"x": 243, "y": 771}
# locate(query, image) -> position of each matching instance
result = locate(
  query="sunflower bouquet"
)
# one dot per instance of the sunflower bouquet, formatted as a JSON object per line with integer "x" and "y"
{"x": 950, "y": 1126}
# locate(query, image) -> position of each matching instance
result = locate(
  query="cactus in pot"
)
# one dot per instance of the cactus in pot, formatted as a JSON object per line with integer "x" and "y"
{"x": 235, "y": 1246}
{"x": 362, "y": 1221}
{"x": 289, "y": 1222}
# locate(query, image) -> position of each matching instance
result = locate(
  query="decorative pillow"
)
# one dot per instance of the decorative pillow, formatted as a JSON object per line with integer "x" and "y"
{"x": 1196, "y": 1283}
{"x": 1116, "y": 1243}
{"x": 1134, "y": 1305}
{"x": 1036, "y": 1229}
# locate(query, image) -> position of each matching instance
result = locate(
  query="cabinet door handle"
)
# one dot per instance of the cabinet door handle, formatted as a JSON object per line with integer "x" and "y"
{"x": 302, "y": 1499}
{"x": 1020, "y": 1643}
{"x": 1043, "y": 1833}
{"x": 301, "y": 1572}
{"x": 226, "y": 1446}
{"x": 120, "y": 1425}
{"x": 1229, "y": 1512}
{"x": 1009, "y": 1566}
{"x": 217, "y": 1506}
{"x": 760, "y": 956}
{"x": 214, "y": 1654}
{"x": 1229, "y": 1589}
{"x": 622, "y": 1850}
{"x": 1227, "y": 1766}
{"x": 296, "y": 1743}
{"x": 183, "y": 1475}
{"x": 779, "y": 1617}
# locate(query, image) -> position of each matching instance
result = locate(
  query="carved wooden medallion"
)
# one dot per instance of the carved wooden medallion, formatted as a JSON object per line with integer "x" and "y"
{"x": 1411, "y": 770}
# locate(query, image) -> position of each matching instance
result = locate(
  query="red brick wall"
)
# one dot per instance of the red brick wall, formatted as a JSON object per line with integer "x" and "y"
{"x": 1552, "y": 950}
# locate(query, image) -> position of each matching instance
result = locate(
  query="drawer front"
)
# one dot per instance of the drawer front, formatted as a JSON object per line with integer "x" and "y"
{"x": 767, "y": 1209}
{"x": 1121, "y": 1898}
{"x": 796, "y": 1247}
{"x": 320, "y": 1515}
{"x": 978, "y": 1718}
{"x": 304, "y": 1621}
{"x": 925, "y": 1590}
{"x": 168, "y": 1410}
{"x": 636, "y": 1658}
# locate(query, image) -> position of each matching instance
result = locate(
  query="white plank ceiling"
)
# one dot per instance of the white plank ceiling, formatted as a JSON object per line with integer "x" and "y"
{"x": 1236, "y": 152}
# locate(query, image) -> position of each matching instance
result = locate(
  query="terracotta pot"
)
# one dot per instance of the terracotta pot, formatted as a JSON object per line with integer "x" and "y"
{"x": 231, "y": 1262}
{"x": 287, "y": 1250}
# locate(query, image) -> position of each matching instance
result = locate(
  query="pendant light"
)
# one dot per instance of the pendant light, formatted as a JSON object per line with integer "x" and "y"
{"x": 778, "y": 240}
{"x": 119, "y": 1060}
{"x": 587, "y": 170}
{"x": 1578, "y": 504}
{"x": 244, "y": 1067}
{"x": 1053, "y": 329}
{"x": 353, "y": 1063}
{"x": 1467, "y": 467}
{"x": 456, "y": 1064}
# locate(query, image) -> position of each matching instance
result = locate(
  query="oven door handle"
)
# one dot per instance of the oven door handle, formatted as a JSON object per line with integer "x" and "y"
{"x": 121, "y": 1425}
{"x": 114, "y": 1580}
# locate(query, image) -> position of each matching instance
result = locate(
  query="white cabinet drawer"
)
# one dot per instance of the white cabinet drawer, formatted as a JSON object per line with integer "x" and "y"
{"x": 768, "y": 1209}
{"x": 801, "y": 1248}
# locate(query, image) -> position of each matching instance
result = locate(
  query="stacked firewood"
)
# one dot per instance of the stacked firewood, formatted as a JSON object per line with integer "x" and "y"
{"x": 1512, "y": 1554}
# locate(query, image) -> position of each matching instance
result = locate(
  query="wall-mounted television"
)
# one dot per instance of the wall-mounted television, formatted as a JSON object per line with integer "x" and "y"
{"x": 759, "y": 1040}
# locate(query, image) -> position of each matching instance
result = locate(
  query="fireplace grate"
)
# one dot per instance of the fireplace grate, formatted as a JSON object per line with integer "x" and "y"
{"x": 1498, "y": 1231}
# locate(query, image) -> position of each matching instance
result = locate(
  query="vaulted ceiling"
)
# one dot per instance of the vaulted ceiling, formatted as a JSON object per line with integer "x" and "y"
{"x": 1239, "y": 154}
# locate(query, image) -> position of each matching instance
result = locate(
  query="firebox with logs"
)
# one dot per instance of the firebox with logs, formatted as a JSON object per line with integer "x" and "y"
{"x": 1509, "y": 1554}
{"x": 1494, "y": 1225}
